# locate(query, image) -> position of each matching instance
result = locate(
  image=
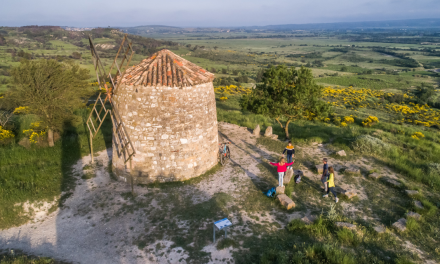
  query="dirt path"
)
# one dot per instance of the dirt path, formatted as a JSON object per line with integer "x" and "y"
{"x": 100, "y": 223}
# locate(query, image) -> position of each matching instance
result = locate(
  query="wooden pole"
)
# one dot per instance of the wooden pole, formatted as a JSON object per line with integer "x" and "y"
{"x": 91, "y": 145}
{"x": 132, "y": 180}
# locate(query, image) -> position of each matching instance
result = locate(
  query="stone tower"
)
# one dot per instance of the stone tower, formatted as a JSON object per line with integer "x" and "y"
{"x": 167, "y": 105}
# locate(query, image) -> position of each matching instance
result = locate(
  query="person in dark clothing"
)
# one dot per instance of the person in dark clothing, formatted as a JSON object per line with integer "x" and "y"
{"x": 324, "y": 176}
{"x": 290, "y": 153}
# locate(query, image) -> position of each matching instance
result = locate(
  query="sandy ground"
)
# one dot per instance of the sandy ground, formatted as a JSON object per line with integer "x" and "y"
{"x": 82, "y": 232}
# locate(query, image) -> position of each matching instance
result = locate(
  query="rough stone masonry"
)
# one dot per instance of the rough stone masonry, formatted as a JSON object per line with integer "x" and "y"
{"x": 167, "y": 105}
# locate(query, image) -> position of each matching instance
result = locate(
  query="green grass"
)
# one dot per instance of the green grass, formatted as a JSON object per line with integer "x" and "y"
{"x": 371, "y": 81}
{"x": 42, "y": 173}
{"x": 12, "y": 257}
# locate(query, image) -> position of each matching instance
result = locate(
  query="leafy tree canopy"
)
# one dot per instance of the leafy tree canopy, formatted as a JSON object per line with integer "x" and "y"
{"x": 50, "y": 90}
{"x": 287, "y": 94}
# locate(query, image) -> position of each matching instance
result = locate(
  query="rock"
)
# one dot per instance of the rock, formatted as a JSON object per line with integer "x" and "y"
{"x": 394, "y": 182}
{"x": 380, "y": 229}
{"x": 280, "y": 189}
{"x": 413, "y": 215}
{"x": 341, "y": 153}
{"x": 346, "y": 225}
{"x": 256, "y": 131}
{"x": 25, "y": 142}
{"x": 320, "y": 145}
{"x": 375, "y": 175}
{"x": 400, "y": 225}
{"x": 268, "y": 132}
{"x": 319, "y": 168}
{"x": 418, "y": 204}
{"x": 353, "y": 170}
{"x": 274, "y": 137}
{"x": 286, "y": 201}
{"x": 411, "y": 192}
{"x": 377, "y": 132}
{"x": 288, "y": 176}
{"x": 307, "y": 220}
{"x": 349, "y": 194}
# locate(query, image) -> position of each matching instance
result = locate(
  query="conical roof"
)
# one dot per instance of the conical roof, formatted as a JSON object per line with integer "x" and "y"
{"x": 164, "y": 68}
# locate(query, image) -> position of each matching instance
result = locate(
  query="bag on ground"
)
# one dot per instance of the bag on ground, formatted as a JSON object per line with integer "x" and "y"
{"x": 270, "y": 192}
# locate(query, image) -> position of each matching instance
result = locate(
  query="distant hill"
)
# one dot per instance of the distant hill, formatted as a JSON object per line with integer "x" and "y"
{"x": 428, "y": 23}
{"x": 409, "y": 23}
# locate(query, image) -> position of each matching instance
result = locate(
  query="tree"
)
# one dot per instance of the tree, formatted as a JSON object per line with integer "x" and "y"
{"x": 424, "y": 93}
{"x": 76, "y": 55}
{"x": 51, "y": 91}
{"x": 287, "y": 94}
{"x": 2, "y": 40}
{"x": 259, "y": 76}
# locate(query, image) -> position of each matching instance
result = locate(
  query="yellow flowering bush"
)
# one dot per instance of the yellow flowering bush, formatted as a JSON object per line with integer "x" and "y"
{"x": 351, "y": 98}
{"x": 34, "y": 132}
{"x": 348, "y": 119}
{"x": 369, "y": 121}
{"x": 21, "y": 110}
{"x": 5, "y": 135}
{"x": 343, "y": 124}
{"x": 418, "y": 135}
{"x": 232, "y": 90}
{"x": 223, "y": 98}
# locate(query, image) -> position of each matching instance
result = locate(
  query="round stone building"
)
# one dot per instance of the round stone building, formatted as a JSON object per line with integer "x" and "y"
{"x": 167, "y": 105}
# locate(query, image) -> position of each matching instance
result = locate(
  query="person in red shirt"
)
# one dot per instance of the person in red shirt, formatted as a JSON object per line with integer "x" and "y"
{"x": 281, "y": 168}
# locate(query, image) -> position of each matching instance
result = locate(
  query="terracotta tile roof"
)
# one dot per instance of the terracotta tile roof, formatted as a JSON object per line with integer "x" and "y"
{"x": 165, "y": 68}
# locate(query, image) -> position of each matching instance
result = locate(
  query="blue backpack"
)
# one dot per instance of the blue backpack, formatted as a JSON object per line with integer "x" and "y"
{"x": 271, "y": 192}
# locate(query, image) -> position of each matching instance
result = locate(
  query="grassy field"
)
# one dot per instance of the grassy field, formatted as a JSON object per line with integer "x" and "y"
{"x": 37, "y": 173}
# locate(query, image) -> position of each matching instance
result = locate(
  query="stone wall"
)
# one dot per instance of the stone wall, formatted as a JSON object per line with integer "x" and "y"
{"x": 174, "y": 132}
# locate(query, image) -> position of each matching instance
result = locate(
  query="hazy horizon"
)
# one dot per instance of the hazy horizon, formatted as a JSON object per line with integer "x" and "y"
{"x": 196, "y": 13}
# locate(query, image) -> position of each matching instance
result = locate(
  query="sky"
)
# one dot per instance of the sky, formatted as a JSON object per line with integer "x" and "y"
{"x": 197, "y": 13}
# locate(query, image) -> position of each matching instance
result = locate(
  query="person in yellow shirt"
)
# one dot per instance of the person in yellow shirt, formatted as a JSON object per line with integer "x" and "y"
{"x": 331, "y": 183}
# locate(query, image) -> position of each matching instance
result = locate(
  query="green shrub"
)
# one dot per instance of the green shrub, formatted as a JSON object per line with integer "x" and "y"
{"x": 296, "y": 224}
{"x": 347, "y": 237}
{"x": 369, "y": 144}
{"x": 330, "y": 253}
{"x": 319, "y": 227}
{"x": 225, "y": 243}
{"x": 411, "y": 224}
{"x": 403, "y": 260}
{"x": 274, "y": 256}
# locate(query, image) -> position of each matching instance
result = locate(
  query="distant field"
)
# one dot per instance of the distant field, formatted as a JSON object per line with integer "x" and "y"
{"x": 251, "y": 51}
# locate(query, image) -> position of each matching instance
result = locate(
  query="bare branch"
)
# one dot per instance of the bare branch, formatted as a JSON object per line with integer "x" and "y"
{"x": 5, "y": 117}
